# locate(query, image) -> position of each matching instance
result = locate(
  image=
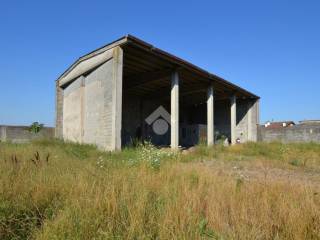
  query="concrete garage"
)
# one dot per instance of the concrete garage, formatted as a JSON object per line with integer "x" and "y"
{"x": 129, "y": 90}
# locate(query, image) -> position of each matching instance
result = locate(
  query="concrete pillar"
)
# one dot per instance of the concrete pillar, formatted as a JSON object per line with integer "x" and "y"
{"x": 256, "y": 121}
{"x": 257, "y": 111}
{"x": 175, "y": 110}
{"x": 210, "y": 117}
{"x": 233, "y": 101}
{"x": 59, "y": 111}
{"x": 249, "y": 117}
{"x": 117, "y": 98}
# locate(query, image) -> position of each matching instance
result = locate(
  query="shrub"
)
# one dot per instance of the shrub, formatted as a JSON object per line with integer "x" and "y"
{"x": 36, "y": 127}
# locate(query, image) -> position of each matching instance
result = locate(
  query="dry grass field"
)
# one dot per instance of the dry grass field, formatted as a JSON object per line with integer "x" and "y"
{"x": 53, "y": 190}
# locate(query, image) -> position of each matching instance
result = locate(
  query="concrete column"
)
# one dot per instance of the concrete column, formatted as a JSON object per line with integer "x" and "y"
{"x": 256, "y": 117}
{"x": 59, "y": 111}
{"x": 210, "y": 117}
{"x": 233, "y": 101}
{"x": 117, "y": 98}
{"x": 249, "y": 117}
{"x": 175, "y": 110}
{"x": 257, "y": 111}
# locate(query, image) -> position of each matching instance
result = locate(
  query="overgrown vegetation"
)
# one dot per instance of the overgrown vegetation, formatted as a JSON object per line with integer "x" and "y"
{"x": 36, "y": 127}
{"x": 55, "y": 190}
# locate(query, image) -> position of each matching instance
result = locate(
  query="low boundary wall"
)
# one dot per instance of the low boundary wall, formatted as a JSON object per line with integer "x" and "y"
{"x": 21, "y": 134}
{"x": 296, "y": 133}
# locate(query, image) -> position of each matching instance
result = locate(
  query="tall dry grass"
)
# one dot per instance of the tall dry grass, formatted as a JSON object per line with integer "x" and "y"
{"x": 81, "y": 193}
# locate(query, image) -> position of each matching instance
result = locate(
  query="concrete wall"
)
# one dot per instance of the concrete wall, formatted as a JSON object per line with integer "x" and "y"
{"x": 91, "y": 105}
{"x": 131, "y": 118}
{"x": 297, "y": 133}
{"x": 192, "y": 120}
{"x": 72, "y": 113}
{"x": 97, "y": 105}
{"x": 222, "y": 118}
{"x": 246, "y": 120}
{"x": 21, "y": 134}
{"x": 135, "y": 111}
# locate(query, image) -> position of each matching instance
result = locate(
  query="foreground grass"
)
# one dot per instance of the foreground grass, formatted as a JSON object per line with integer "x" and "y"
{"x": 52, "y": 190}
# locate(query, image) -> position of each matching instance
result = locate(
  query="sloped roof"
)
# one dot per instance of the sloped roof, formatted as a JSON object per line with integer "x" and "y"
{"x": 129, "y": 39}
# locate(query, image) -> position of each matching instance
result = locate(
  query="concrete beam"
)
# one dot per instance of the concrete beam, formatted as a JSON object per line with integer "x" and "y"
{"x": 210, "y": 117}
{"x": 175, "y": 110}
{"x": 233, "y": 101}
{"x": 117, "y": 98}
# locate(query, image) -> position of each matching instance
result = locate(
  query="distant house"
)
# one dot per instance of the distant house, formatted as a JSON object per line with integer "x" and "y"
{"x": 277, "y": 125}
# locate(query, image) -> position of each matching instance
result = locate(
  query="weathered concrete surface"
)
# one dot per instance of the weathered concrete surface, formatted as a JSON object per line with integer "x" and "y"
{"x": 92, "y": 104}
{"x": 85, "y": 66}
{"x": 210, "y": 117}
{"x": 59, "y": 112}
{"x": 72, "y": 111}
{"x": 3, "y": 133}
{"x": 193, "y": 134}
{"x": 247, "y": 120}
{"x": 21, "y": 134}
{"x": 175, "y": 110}
{"x": 135, "y": 111}
{"x": 255, "y": 119}
{"x": 117, "y": 72}
{"x": 193, "y": 121}
{"x": 98, "y": 107}
{"x": 233, "y": 112}
{"x": 296, "y": 133}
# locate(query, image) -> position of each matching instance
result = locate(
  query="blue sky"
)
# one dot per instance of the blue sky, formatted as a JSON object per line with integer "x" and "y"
{"x": 271, "y": 48}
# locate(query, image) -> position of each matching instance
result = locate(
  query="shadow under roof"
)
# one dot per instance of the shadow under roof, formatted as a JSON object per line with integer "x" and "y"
{"x": 136, "y": 49}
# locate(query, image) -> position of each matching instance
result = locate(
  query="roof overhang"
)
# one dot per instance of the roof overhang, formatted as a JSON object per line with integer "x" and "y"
{"x": 103, "y": 54}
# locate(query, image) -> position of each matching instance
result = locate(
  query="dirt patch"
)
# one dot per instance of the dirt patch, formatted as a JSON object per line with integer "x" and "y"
{"x": 262, "y": 172}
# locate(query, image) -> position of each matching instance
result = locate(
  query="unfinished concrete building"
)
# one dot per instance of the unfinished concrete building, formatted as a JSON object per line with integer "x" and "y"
{"x": 111, "y": 96}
